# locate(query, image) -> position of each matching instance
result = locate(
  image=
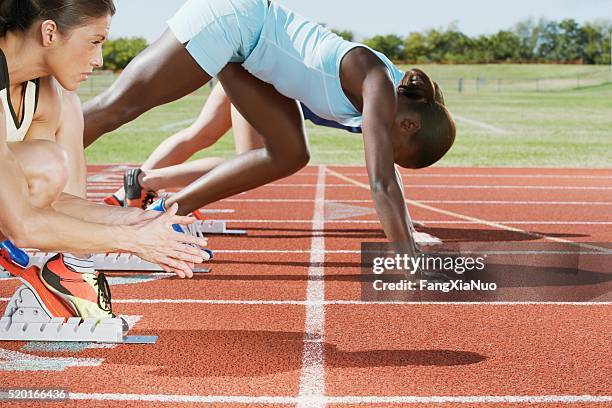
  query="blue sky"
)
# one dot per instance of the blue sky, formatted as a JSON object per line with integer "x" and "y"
{"x": 369, "y": 17}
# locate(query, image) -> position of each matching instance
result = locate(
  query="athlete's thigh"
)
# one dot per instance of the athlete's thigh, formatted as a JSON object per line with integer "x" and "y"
{"x": 162, "y": 73}
{"x": 275, "y": 117}
{"x": 214, "y": 119}
{"x": 38, "y": 157}
{"x": 246, "y": 138}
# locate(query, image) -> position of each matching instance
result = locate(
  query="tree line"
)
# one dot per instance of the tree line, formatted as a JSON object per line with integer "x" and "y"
{"x": 529, "y": 41}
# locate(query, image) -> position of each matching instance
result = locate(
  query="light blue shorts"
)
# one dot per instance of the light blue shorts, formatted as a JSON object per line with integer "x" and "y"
{"x": 217, "y": 32}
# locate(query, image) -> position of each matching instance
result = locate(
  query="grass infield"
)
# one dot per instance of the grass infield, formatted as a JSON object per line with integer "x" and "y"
{"x": 507, "y": 115}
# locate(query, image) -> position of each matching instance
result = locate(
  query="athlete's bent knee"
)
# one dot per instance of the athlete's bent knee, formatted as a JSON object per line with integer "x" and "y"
{"x": 292, "y": 159}
{"x": 49, "y": 178}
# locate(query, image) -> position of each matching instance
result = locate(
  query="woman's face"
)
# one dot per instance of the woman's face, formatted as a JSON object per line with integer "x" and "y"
{"x": 77, "y": 52}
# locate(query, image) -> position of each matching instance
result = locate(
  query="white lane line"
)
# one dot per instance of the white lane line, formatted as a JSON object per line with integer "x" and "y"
{"x": 174, "y": 125}
{"x": 322, "y": 400}
{"x": 412, "y": 175}
{"x": 357, "y": 251}
{"x": 451, "y": 186}
{"x": 485, "y": 202}
{"x": 312, "y": 379}
{"x": 238, "y": 302}
{"x": 113, "y": 178}
{"x": 481, "y": 125}
{"x": 464, "y": 217}
{"x": 438, "y": 222}
{"x": 472, "y": 202}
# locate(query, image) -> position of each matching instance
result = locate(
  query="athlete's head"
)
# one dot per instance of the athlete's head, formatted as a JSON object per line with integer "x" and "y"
{"x": 424, "y": 130}
{"x": 70, "y": 32}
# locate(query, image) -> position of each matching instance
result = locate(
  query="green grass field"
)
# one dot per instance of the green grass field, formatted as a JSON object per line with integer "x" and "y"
{"x": 507, "y": 115}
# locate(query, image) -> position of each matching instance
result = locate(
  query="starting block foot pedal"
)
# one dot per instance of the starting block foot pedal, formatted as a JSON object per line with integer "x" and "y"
{"x": 113, "y": 262}
{"x": 215, "y": 227}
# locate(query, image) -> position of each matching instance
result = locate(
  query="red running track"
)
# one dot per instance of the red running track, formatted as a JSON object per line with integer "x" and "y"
{"x": 280, "y": 321}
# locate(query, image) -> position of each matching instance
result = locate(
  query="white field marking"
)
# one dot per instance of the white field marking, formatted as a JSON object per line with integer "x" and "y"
{"x": 486, "y": 202}
{"x": 482, "y": 125}
{"x": 18, "y": 361}
{"x": 97, "y": 187}
{"x": 450, "y": 186}
{"x": 470, "y": 175}
{"x": 602, "y": 251}
{"x": 119, "y": 168}
{"x": 450, "y": 222}
{"x": 312, "y": 378}
{"x": 238, "y": 302}
{"x": 217, "y": 210}
{"x": 453, "y": 214}
{"x": 323, "y": 400}
{"x": 174, "y": 125}
{"x": 98, "y": 178}
{"x": 473, "y": 202}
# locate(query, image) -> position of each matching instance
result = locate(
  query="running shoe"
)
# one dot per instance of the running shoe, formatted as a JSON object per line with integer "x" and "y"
{"x": 52, "y": 304}
{"x": 113, "y": 200}
{"x": 135, "y": 195}
{"x": 88, "y": 293}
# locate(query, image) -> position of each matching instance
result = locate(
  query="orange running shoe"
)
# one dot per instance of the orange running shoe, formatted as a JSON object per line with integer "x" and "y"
{"x": 135, "y": 195}
{"x": 54, "y": 306}
{"x": 113, "y": 200}
{"x": 88, "y": 293}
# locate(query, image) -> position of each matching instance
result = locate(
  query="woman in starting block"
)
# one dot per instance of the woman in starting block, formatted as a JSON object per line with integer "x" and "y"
{"x": 47, "y": 48}
{"x": 267, "y": 57}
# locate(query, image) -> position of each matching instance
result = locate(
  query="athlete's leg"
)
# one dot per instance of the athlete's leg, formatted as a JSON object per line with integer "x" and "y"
{"x": 212, "y": 123}
{"x": 45, "y": 167}
{"x": 165, "y": 168}
{"x": 279, "y": 121}
{"x": 160, "y": 74}
{"x": 246, "y": 138}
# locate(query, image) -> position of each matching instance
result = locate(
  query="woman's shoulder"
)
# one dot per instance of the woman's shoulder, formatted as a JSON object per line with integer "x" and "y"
{"x": 49, "y": 103}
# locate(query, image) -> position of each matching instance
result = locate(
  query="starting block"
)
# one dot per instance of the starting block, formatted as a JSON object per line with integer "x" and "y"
{"x": 211, "y": 227}
{"x": 214, "y": 227}
{"x": 112, "y": 262}
{"x": 35, "y": 314}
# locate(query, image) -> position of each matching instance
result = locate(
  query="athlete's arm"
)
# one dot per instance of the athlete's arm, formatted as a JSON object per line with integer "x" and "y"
{"x": 379, "y": 109}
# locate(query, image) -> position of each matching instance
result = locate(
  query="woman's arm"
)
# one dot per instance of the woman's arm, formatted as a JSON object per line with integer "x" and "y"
{"x": 379, "y": 109}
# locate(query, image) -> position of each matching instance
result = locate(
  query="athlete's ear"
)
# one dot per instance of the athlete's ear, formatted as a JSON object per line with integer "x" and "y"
{"x": 410, "y": 124}
{"x": 49, "y": 33}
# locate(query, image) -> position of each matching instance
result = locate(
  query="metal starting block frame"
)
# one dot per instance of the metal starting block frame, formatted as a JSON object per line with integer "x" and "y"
{"x": 215, "y": 227}
{"x": 112, "y": 262}
{"x": 25, "y": 319}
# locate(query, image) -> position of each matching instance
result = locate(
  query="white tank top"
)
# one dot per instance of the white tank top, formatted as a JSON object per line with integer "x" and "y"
{"x": 16, "y": 129}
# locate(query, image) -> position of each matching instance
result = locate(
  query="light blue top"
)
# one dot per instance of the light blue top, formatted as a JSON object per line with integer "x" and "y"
{"x": 302, "y": 60}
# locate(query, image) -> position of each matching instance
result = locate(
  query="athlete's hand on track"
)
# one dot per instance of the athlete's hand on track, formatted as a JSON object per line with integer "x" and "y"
{"x": 173, "y": 251}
